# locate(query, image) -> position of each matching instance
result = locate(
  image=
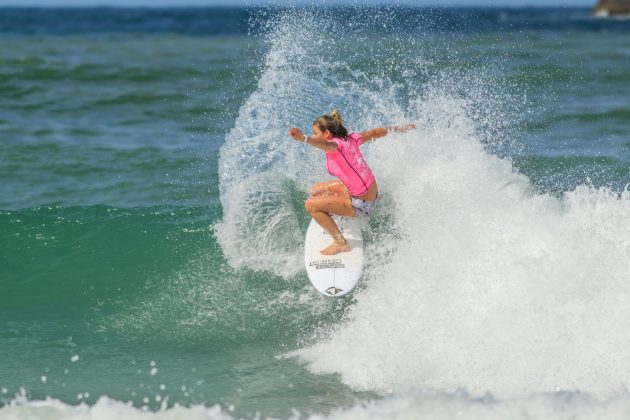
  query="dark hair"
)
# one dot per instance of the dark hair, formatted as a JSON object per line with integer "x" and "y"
{"x": 333, "y": 123}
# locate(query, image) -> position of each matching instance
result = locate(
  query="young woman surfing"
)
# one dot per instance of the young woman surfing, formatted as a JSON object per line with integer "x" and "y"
{"x": 355, "y": 193}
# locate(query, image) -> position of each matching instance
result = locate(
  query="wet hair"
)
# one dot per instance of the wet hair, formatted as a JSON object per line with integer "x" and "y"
{"x": 333, "y": 123}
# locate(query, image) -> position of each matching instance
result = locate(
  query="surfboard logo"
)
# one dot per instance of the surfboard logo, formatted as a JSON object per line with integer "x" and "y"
{"x": 333, "y": 290}
{"x": 327, "y": 264}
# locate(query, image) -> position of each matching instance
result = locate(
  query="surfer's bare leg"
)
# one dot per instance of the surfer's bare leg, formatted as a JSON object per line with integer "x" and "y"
{"x": 321, "y": 207}
{"x": 328, "y": 187}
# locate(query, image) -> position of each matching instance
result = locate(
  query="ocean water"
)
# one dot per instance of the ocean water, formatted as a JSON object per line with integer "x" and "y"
{"x": 152, "y": 220}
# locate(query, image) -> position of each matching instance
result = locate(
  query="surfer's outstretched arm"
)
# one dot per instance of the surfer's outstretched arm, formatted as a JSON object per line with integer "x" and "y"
{"x": 376, "y": 133}
{"x": 322, "y": 144}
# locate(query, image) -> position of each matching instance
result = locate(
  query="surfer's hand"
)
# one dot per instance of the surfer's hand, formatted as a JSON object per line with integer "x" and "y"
{"x": 296, "y": 133}
{"x": 404, "y": 128}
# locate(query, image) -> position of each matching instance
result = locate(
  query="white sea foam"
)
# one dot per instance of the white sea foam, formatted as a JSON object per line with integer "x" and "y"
{"x": 478, "y": 282}
{"x": 492, "y": 286}
{"x": 558, "y": 406}
{"x": 104, "y": 408}
{"x": 419, "y": 405}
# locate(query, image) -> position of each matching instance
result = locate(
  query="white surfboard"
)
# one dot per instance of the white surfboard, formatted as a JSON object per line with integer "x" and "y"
{"x": 334, "y": 275}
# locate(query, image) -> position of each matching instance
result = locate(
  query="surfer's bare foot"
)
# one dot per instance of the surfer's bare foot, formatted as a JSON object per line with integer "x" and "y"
{"x": 336, "y": 248}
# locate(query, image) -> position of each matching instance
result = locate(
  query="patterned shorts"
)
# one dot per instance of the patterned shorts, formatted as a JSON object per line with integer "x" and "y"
{"x": 363, "y": 208}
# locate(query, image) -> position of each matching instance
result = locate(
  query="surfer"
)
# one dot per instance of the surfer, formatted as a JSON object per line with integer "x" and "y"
{"x": 355, "y": 194}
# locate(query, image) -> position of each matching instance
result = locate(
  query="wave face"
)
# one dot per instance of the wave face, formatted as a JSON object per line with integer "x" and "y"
{"x": 476, "y": 280}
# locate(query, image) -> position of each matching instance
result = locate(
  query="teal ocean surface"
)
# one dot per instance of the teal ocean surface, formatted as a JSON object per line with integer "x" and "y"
{"x": 152, "y": 219}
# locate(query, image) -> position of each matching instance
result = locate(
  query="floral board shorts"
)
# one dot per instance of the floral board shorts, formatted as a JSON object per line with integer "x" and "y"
{"x": 363, "y": 208}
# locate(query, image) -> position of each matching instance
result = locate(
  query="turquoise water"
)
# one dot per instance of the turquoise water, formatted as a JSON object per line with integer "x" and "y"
{"x": 152, "y": 222}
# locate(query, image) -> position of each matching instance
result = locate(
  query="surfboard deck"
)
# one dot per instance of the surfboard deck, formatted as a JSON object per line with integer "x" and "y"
{"x": 334, "y": 275}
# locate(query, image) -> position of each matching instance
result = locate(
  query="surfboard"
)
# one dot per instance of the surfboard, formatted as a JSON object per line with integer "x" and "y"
{"x": 334, "y": 275}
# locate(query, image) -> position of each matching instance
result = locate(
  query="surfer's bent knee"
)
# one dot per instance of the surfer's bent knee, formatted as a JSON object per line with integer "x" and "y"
{"x": 308, "y": 205}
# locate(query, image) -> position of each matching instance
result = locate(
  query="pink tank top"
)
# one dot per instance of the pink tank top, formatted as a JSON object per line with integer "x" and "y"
{"x": 347, "y": 164}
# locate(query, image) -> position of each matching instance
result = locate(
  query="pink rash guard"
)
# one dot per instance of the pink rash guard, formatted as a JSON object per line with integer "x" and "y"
{"x": 347, "y": 164}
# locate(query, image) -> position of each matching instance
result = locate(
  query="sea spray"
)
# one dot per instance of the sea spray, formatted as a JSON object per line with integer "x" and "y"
{"x": 312, "y": 66}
